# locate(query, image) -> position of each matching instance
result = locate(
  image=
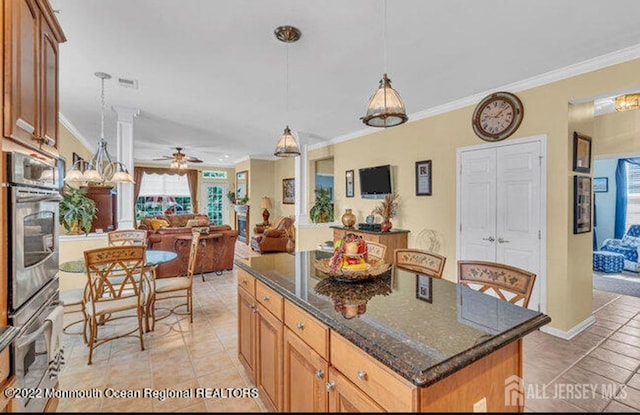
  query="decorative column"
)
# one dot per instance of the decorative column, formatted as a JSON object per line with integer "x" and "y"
{"x": 124, "y": 154}
{"x": 301, "y": 185}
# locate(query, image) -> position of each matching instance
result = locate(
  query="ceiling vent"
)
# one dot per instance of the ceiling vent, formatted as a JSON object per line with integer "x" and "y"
{"x": 128, "y": 83}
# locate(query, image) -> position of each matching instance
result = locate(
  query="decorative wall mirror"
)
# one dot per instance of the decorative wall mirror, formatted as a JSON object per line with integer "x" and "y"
{"x": 242, "y": 184}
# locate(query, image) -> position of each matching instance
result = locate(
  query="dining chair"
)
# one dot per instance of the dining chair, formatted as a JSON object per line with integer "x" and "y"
{"x": 509, "y": 283}
{"x": 421, "y": 261}
{"x": 115, "y": 277}
{"x": 179, "y": 287}
{"x": 127, "y": 237}
{"x": 376, "y": 250}
{"x": 72, "y": 301}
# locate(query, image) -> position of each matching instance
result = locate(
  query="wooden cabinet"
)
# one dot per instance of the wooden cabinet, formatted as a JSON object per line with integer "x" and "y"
{"x": 305, "y": 377}
{"x": 246, "y": 332}
{"x": 396, "y": 238}
{"x": 107, "y": 203}
{"x": 269, "y": 331}
{"x": 344, "y": 396}
{"x": 31, "y": 74}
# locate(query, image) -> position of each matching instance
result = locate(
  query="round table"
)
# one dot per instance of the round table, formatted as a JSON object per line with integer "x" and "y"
{"x": 152, "y": 257}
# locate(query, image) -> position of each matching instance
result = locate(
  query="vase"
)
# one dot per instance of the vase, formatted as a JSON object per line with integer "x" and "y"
{"x": 386, "y": 226}
{"x": 348, "y": 219}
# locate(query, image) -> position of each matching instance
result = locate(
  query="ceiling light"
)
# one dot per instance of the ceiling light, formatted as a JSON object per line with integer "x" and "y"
{"x": 287, "y": 145}
{"x": 385, "y": 108}
{"x": 628, "y": 102}
{"x": 101, "y": 169}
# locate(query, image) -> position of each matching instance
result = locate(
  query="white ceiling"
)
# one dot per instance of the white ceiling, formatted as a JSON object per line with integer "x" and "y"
{"x": 212, "y": 76}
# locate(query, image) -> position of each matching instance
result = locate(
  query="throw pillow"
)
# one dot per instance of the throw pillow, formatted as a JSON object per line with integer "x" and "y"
{"x": 631, "y": 241}
{"x": 159, "y": 223}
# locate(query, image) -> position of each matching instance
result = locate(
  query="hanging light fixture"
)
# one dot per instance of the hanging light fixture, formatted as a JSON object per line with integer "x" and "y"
{"x": 100, "y": 169}
{"x": 287, "y": 145}
{"x": 385, "y": 108}
{"x": 628, "y": 102}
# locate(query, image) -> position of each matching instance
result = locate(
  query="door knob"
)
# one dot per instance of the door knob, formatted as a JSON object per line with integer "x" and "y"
{"x": 502, "y": 241}
{"x": 490, "y": 239}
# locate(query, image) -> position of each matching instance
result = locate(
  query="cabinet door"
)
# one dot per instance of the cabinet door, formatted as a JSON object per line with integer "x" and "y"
{"x": 48, "y": 85}
{"x": 344, "y": 396}
{"x": 305, "y": 373}
{"x": 21, "y": 99}
{"x": 269, "y": 358}
{"x": 246, "y": 332}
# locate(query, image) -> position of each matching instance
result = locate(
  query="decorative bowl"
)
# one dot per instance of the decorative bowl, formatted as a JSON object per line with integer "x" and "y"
{"x": 376, "y": 268}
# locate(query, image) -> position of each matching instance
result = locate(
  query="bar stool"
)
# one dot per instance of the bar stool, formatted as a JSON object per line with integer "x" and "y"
{"x": 72, "y": 302}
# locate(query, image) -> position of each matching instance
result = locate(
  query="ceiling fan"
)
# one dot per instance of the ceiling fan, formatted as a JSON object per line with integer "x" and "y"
{"x": 179, "y": 159}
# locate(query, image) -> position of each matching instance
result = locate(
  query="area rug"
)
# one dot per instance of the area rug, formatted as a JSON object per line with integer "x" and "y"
{"x": 627, "y": 283}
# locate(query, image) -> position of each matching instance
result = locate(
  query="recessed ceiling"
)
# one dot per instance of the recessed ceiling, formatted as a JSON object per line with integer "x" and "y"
{"x": 212, "y": 77}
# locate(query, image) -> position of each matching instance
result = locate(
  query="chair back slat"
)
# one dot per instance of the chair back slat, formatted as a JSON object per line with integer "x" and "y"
{"x": 127, "y": 237}
{"x": 424, "y": 262}
{"x": 498, "y": 277}
{"x": 376, "y": 250}
{"x": 193, "y": 253}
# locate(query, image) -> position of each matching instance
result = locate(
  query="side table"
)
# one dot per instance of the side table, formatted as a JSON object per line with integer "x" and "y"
{"x": 185, "y": 240}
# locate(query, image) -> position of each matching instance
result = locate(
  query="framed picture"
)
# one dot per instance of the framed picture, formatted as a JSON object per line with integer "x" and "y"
{"x": 82, "y": 163}
{"x": 424, "y": 288}
{"x": 581, "y": 204}
{"x": 348, "y": 182}
{"x": 288, "y": 191}
{"x": 600, "y": 184}
{"x": 423, "y": 178}
{"x": 581, "y": 152}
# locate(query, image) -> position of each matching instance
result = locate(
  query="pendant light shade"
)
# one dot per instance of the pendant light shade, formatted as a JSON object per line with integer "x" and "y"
{"x": 386, "y": 108}
{"x": 287, "y": 145}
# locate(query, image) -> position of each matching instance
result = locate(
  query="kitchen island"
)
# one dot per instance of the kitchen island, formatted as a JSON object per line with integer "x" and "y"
{"x": 400, "y": 342}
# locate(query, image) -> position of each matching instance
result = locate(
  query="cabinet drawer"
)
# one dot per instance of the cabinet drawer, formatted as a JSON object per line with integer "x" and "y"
{"x": 388, "y": 389}
{"x": 271, "y": 300}
{"x": 310, "y": 330}
{"x": 247, "y": 282}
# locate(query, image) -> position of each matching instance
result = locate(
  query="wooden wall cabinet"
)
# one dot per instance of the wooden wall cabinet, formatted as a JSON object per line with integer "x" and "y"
{"x": 392, "y": 240}
{"x": 31, "y": 74}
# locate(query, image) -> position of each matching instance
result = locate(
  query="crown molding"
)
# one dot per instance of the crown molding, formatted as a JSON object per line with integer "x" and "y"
{"x": 73, "y": 130}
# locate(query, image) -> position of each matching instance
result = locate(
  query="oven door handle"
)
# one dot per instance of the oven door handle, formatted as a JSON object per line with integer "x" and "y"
{"x": 33, "y": 336}
{"x": 54, "y": 197}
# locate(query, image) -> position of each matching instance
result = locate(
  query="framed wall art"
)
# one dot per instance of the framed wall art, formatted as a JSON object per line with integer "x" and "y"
{"x": 581, "y": 152}
{"x": 424, "y": 288}
{"x": 348, "y": 179}
{"x": 581, "y": 204}
{"x": 288, "y": 191}
{"x": 423, "y": 178}
{"x": 600, "y": 184}
{"x": 82, "y": 163}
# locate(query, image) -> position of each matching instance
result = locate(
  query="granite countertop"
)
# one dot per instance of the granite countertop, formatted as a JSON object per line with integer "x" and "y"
{"x": 424, "y": 329}
{"x": 355, "y": 229}
{"x": 7, "y": 335}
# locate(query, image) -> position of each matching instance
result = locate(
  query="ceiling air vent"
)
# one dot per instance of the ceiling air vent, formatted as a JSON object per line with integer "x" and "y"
{"x": 128, "y": 83}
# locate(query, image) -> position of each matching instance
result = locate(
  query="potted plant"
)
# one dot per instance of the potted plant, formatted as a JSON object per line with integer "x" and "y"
{"x": 239, "y": 204}
{"x": 77, "y": 211}
{"x": 322, "y": 210}
{"x": 387, "y": 209}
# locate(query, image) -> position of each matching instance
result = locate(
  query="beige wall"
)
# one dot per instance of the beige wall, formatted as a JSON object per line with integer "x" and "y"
{"x": 69, "y": 144}
{"x": 617, "y": 134}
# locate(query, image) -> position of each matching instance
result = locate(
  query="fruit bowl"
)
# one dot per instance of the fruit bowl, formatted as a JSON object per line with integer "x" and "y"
{"x": 372, "y": 269}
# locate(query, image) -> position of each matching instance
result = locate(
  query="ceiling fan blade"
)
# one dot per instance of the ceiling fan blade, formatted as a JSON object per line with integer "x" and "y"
{"x": 193, "y": 160}
{"x": 164, "y": 158}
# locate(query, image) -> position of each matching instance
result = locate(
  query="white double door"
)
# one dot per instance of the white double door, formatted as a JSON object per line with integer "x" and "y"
{"x": 500, "y": 207}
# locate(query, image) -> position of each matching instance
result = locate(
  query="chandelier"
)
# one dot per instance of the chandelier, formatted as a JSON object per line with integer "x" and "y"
{"x": 101, "y": 168}
{"x": 287, "y": 145}
{"x": 385, "y": 108}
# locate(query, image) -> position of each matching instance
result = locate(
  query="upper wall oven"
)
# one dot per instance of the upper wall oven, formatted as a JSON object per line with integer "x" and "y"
{"x": 34, "y": 197}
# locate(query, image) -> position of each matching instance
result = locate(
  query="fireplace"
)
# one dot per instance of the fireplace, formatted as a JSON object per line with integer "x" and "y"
{"x": 242, "y": 227}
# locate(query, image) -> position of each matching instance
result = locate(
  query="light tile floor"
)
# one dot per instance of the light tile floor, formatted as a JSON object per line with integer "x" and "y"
{"x": 181, "y": 356}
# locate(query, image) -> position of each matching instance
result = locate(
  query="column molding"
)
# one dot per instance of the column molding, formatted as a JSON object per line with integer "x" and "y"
{"x": 124, "y": 154}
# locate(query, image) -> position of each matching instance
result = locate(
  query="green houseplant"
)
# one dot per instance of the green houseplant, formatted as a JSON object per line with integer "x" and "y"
{"x": 77, "y": 211}
{"x": 322, "y": 210}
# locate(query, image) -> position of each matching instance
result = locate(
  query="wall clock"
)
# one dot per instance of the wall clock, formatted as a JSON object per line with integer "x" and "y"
{"x": 497, "y": 116}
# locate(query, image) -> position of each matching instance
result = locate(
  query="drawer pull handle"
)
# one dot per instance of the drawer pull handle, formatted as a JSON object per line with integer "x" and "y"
{"x": 362, "y": 375}
{"x": 265, "y": 298}
{"x": 244, "y": 282}
{"x": 319, "y": 373}
{"x": 329, "y": 386}
{"x": 300, "y": 325}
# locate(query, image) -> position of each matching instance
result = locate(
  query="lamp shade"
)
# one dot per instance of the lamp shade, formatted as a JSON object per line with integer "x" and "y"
{"x": 265, "y": 203}
{"x": 628, "y": 102}
{"x": 287, "y": 145}
{"x": 385, "y": 108}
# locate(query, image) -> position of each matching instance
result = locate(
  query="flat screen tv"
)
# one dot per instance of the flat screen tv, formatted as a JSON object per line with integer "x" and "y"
{"x": 375, "y": 182}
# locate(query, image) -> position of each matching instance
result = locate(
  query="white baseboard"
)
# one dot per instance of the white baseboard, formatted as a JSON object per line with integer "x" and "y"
{"x": 571, "y": 333}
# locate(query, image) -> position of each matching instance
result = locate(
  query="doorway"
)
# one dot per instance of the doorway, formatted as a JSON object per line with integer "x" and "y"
{"x": 501, "y": 207}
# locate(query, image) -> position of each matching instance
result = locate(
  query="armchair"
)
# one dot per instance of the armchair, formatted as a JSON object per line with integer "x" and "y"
{"x": 627, "y": 246}
{"x": 278, "y": 238}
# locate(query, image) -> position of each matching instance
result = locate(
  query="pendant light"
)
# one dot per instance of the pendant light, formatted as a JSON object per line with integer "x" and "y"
{"x": 101, "y": 169}
{"x": 385, "y": 108}
{"x": 287, "y": 145}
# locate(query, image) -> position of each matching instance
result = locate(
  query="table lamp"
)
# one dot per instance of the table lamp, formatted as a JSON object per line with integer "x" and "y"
{"x": 265, "y": 204}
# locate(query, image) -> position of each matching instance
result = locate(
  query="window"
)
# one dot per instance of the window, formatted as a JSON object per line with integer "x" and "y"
{"x": 633, "y": 194}
{"x": 215, "y": 201}
{"x": 214, "y": 174}
{"x": 163, "y": 193}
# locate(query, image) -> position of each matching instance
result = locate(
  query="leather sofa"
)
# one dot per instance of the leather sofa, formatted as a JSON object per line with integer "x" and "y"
{"x": 278, "y": 238}
{"x": 215, "y": 254}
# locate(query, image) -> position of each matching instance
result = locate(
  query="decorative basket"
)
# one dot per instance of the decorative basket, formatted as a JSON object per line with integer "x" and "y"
{"x": 376, "y": 268}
